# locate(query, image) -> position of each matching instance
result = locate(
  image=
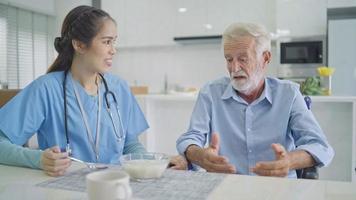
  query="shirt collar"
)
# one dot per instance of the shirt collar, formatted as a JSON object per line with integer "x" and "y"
{"x": 268, "y": 91}
{"x": 231, "y": 93}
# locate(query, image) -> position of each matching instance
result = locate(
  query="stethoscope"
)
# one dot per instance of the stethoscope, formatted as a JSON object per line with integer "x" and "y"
{"x": 107, "y": 93}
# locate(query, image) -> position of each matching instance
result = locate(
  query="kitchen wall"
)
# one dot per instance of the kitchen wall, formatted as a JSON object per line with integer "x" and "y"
{"x": 146, "y": 30}
{"x": 147, "y": 51}
{"x": 140, "y": 62}
{"x": 186, "y": 65}
{"x": 62, "y": 8}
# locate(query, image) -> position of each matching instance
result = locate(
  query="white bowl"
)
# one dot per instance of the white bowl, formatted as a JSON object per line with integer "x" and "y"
{"x": 141, "y": 166}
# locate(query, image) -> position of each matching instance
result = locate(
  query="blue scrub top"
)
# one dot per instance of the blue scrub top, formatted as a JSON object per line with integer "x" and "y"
{"x": 39, "y": 108}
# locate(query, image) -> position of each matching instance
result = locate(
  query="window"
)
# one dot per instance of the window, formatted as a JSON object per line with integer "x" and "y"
{"x": 26, "y": 45}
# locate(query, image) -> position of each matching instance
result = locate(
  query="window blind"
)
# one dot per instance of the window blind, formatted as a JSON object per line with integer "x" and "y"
{"x": 26, "y": 45}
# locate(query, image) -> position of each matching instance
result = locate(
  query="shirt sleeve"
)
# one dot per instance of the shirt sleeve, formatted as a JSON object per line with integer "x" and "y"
{"x": 24, "y": 113}
{"x": 133, "y": 146}
{"x": 199, "y": 126}
{"x": 137, "y": 123}
{"x": 12, "y": 154}
{"x": 307, "y": 133}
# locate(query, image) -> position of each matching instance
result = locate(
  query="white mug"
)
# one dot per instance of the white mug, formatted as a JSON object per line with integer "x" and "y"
{"x": 108, "y": 185}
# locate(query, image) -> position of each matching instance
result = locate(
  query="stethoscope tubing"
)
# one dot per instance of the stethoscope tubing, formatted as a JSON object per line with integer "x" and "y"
{"x": 108, "y": 107}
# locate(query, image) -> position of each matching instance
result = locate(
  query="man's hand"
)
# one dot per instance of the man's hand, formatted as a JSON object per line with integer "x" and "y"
{"x": 178, "y": 163}
{"x": 208, "y": 158}
{"x": 54, "y": 163}
{"x": 280, "y": 167}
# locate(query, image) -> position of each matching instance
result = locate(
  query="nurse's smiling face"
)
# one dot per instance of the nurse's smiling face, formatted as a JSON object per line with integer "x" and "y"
{"x": 99, "y": 54}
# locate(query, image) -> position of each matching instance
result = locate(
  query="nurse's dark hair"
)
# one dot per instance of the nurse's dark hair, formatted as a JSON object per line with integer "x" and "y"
{"x": 82, "y": 23}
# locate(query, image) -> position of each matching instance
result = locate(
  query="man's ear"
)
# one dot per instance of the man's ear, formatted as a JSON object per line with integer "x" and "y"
{"x": 266, "y": 57}
{"x": 78, "y": 46}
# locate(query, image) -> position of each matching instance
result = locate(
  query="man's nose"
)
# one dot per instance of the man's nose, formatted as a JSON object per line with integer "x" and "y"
{"x": 235, "y": 66}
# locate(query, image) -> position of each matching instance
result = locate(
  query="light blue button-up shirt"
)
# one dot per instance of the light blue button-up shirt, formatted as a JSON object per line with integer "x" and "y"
{"x": 279, "y": 115}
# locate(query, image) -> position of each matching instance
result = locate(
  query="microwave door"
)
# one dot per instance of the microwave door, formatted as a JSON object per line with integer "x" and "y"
{"x": 301, "y": 52}
{"x": 297, "y": 54}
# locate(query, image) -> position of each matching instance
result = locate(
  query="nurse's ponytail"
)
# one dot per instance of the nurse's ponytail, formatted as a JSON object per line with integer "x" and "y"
{"x": 82, "y": 23}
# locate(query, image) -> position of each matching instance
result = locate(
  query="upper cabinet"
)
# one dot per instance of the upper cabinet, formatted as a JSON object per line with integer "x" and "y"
{"x": 205, "y": 17}
{"x": 142, "y": 22}
{"x": 301, "y": 17}
{"x": 157, "y": 22}
{"x": 211, "y": 17}
{"x": 191, "y": 18}
{"x": 258, "y": 11}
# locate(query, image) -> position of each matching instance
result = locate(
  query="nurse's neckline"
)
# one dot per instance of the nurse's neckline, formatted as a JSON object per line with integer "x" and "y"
{"x": 90, "y": 93}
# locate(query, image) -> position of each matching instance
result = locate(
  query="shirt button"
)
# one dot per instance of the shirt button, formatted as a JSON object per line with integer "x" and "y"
{"x": 248, "y": 129}
{"x": 250, "y": 151}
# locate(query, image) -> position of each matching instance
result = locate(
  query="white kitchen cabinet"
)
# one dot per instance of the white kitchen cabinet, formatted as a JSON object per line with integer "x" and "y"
{"x": 220, "y": 14}
{"x": 143, "y": 22}
{"x": 157, "y": 22}
{"x": 258, "y": 11}
{"x": 168, "y": 117}
{"x": 191, "y": 22}
{"x": 206, "y": 17}
{"x": 302, "y": 17}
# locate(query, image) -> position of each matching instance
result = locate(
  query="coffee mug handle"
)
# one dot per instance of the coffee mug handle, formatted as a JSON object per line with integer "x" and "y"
{"x": 127, "y": 189}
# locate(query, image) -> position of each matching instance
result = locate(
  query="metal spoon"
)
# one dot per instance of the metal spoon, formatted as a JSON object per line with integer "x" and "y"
{"x": 89, "y": 165}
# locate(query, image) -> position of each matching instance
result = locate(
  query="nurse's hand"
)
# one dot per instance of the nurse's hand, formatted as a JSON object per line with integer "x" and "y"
{"x": 54, "y": 162}
{"x": 208, "y": 158}
{"x": 178, "y": 162}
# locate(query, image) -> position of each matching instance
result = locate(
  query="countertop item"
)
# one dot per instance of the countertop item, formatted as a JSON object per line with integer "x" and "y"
{"x": 143, "y": 166}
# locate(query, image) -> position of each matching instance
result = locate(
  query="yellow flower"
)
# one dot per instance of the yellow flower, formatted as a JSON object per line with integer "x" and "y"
{"x": 325, "y": 71}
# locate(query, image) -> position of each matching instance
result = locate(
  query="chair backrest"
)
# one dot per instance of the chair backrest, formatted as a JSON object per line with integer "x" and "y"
{"x": 308, "y": 101}
{"x": 6, "y": 95}
{"x": 310, "y": 172}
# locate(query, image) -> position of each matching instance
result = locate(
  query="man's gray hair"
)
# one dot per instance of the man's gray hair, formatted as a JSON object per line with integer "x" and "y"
{"x": 258, "y": 32}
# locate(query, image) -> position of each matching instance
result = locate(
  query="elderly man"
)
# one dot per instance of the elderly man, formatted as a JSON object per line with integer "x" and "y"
{"x": 254, "y": 124}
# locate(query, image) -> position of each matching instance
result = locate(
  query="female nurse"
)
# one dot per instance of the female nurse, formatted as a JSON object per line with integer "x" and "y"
{"x": 77, "y": 108}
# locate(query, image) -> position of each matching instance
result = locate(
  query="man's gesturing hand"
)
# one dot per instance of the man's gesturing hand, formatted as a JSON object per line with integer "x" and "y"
{"x": 279, "y": 167}
{"x": 208, "y": 158}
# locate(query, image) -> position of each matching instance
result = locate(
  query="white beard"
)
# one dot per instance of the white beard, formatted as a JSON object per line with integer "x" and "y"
{"x": 247, "y": 85}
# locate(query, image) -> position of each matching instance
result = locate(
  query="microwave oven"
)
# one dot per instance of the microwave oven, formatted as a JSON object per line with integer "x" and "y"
{"x": 300, "y": 57}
